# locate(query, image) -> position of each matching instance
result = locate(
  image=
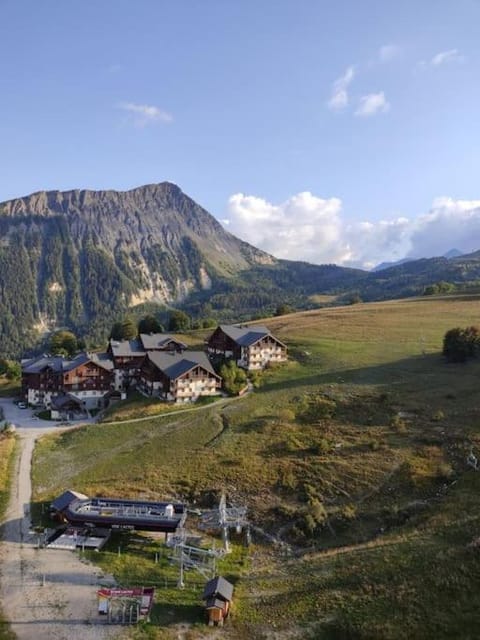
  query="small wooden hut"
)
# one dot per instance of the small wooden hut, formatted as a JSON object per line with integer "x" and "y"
{"x": 217, "y": 594}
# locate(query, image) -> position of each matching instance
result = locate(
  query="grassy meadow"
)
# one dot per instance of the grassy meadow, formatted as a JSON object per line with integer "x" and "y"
{"x": 352, "y": 458}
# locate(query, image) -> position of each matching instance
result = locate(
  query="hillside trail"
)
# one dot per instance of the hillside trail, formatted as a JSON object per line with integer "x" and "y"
{"x": 46, "y": 594}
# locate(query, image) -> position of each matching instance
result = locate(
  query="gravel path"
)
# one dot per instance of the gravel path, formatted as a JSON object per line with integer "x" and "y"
{"x": 46, "y": 594}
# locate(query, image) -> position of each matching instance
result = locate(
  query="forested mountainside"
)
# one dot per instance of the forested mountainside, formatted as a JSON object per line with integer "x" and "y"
{"x": 83, "y": 259}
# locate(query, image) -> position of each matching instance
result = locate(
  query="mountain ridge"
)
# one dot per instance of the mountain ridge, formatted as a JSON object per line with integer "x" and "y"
{"x": 83, "y": 259}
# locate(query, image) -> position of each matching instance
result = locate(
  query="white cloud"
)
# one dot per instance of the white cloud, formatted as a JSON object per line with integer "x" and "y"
{"x": 449, "y": 224}
{"x": 339, "y": 98}
{"x": 372, "y": 104}
{"x": 302, "y": 228}
{"x": 306, "y": 227}
{"x": 444, "y": 57}
{"x": 388, "y": 52}
{"x": 144, "y": 114}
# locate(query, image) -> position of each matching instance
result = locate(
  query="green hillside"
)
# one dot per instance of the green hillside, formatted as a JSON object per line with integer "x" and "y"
{"x": 353, "y": 455}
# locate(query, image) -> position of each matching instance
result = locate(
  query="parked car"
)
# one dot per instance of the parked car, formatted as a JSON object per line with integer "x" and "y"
{"x": 22, "y": 405}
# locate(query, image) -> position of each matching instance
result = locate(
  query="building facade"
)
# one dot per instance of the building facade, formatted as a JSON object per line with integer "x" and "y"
{"x": 179, "y": 377}
{"x": 252, "y": 348}
{"x": 87, "y": 377}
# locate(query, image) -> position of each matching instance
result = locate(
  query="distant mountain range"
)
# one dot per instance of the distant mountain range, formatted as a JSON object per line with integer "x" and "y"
{"x": 453, "y": 253}
{"x": 83, "y": 259}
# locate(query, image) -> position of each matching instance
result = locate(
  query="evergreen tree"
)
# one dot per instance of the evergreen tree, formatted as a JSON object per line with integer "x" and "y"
{"x": 149, "y": 324}
{"x": 178, "y": 321}
{"x": 63, "y": 342}
{"x": 129, "y": 329}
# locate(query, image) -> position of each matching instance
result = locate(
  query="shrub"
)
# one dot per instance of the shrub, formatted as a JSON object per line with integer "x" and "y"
{"x": 460, "y": 344}
{"x": 286, "y": 415}
{"x": 255, "y": 379}
{"x": 323, "y": 446}
{"x": 349, "y": 512}
{"x": 444, "y": 471}
{"x": 234, "y": 378}
{"x": 309, "y": 525}
{"x": 399, "y": 424}
{"x": 318, "y": 511}
{"x": 314, "y": 408}
{"x": 14, "y": 370}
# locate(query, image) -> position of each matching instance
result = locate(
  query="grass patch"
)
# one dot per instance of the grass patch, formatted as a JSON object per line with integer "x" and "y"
{"x": 8, "y": 452}
{"x": 135, "y": 559}
{"x": 8, "y": 445}
{"x": 9, "y": 388}
{"x": 137, "y": 406}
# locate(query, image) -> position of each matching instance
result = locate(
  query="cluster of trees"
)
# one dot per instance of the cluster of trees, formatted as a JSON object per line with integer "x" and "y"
{"x": 65, "y": 343}
{"x": 10, "y": 369}
{"x": 234, "y": 378}
{"x": 461, "y": 344}
{"x": 439, "y": 287}
{"x": 176, "y": 321}
{"x": 127, "y": 329}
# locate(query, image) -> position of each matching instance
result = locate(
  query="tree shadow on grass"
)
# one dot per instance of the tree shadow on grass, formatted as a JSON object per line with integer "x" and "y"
{"x": 166, "y": 613}
{"x": 413, "y": 370}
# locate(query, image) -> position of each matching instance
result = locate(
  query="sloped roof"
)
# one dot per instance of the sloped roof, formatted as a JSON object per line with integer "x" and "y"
{"x": 152, "y": 341}
{"x": 246, "y": 336}
{"x": 175, "y": 364}
{"x": 62, "y": 401}
{"x": 215, "y": 603}
{"x": 40, "y": 363}
{"x": 81, "y": 358}
{"x": 62, "y": 502}
{"x": 218, "y": 587}
{"x": 127, "y": 348}
{"x": 61, "y": 364}
{"x": 101, "y": 359}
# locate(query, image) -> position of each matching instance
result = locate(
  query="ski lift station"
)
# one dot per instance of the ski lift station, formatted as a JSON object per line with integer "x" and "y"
{"x": 113, "y": 513}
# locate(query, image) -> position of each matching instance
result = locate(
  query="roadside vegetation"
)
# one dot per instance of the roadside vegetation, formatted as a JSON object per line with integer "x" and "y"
{"x": 352, "y": 458}
{"x": 7, "y": 458}
{"x": 138, "y": 406}
{"x": 8, "y": 444}
{"x": 10, "y": 374}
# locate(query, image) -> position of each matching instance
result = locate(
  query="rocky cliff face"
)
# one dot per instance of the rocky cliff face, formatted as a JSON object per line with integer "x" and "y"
{"x": 77, "y": 257}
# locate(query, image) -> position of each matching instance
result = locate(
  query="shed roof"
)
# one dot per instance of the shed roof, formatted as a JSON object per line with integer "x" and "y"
{"x": 218, "y": 588}
{"x": 175, "y": 364}
{"x": 215, "y": 603}
{"x": 62, "y": 502}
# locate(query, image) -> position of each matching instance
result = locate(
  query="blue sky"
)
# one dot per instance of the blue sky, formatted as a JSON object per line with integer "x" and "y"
{"x": 347, "y": 131}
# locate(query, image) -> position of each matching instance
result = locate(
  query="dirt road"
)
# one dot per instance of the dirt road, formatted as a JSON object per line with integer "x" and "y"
{"x": 46, "y": 594}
